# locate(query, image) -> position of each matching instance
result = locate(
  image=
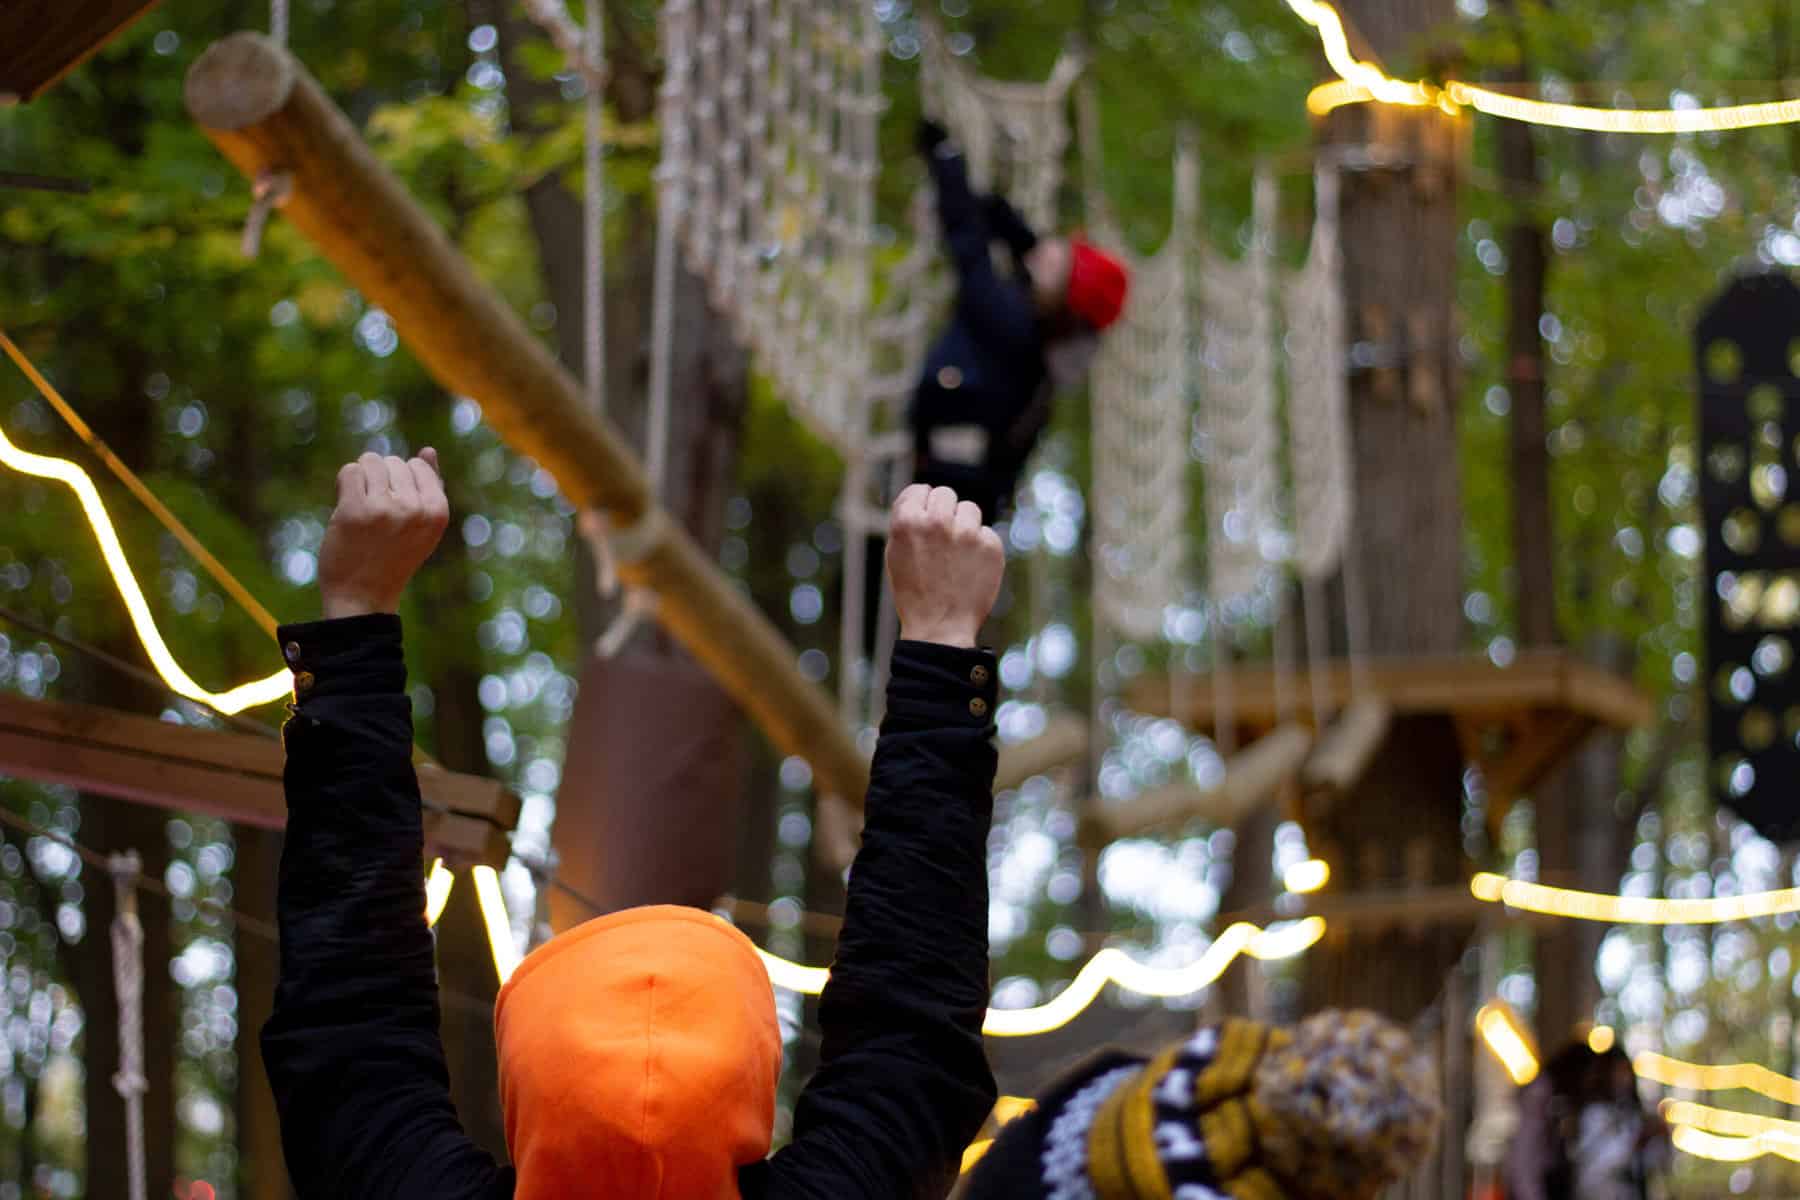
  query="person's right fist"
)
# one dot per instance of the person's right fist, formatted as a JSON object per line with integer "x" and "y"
{"x": 390, "y": 516}
{"x": 944, "y": 566}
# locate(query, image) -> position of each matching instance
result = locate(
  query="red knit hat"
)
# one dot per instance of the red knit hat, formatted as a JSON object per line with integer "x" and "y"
{"x": 1098, "y": 283}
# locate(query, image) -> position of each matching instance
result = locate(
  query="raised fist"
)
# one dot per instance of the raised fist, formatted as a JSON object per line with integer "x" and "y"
{"x": 929, "y": 136}
{"x": 944, "y": 566}
{"x": 390, "y": 516}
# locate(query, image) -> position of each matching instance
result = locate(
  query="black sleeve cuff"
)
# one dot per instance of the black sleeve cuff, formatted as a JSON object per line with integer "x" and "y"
{"x": 352, "y": 655}
{"x": 943, "y": 685}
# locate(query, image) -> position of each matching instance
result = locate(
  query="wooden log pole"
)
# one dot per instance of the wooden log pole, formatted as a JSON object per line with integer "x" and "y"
{"x": 1064, "y": 741}
{"x": 269, "y": 117}
{"x": 1253, "y": 776}
{"x": 233, "y": 776}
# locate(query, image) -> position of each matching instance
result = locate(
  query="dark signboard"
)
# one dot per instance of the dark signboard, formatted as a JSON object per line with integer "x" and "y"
{"x": 1748, "y": 348}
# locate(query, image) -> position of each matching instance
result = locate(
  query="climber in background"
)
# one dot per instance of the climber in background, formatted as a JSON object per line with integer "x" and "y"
{"x": 1015, "y": 341}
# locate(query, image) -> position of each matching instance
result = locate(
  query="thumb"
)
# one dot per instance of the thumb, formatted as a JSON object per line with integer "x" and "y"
{"x": 429, "y": 454}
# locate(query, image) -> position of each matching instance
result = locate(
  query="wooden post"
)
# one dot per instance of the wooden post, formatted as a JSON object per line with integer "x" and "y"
{"x": 268, "y": 115}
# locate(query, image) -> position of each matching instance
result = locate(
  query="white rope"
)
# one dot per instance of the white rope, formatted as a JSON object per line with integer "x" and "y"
{"x": 594, "y": 214}
{"x": 1143, "y": 391}
{"x": 270, "y": 192}
{"x": 128, "y": 986}
{"x": 278, "y": 21}
{"x": 1318, "y": 393}
{"x": 1238, "y": 408}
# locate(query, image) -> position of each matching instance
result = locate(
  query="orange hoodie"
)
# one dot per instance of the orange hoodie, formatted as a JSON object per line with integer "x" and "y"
{"x": 639, "y": 1054}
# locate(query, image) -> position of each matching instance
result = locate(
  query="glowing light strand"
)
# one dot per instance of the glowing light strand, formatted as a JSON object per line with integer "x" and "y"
{"x": 501, "y": 943}
{"x": 1701, "y": 1077}
{"x": 1630, "y": 910}
{"x": 437, "y": 891}
{"x": 261, "y": 691}
{"x": 1506, "y": 1038}
{"x": 1361, "y": 82}
{"x": 1715, "y": 1148}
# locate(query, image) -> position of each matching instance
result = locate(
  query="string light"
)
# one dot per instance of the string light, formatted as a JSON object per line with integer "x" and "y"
{"x": 437, "y": 891}
{"x": 1601, "y": 1038}
{"x": 1700, "y": 1077}
{"x": 1361, "y": 82}
{"x": 262, "y": 691}
{"x": 1007, "y": 1109}
{"x": 1305, "y": 878}
{"x": 499, "y": 928}
{"x": 1503, "y": 1034}
{"x": 1630, "y": 910}
{"x": 1728, "y": 1121}
{"x": 1714, "y": 1148}
{"x": 1111, "y": 965}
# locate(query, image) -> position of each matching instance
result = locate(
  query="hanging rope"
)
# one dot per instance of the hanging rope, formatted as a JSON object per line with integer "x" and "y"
{"x": 128, "y": 987}
{"x": 271, "y": 188}
{"x": 278, "y": 21}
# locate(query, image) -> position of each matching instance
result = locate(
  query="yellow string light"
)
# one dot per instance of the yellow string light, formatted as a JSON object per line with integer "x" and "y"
{"x": 437, "y": 891}
{"x": 1730, "y": 1122}
{"x": 1602, "y": 1038}
{"x": 1006, "y": 1110}
{"x": 1714, "y": 1148}
{"x": 1507, "y": 1039}
{"x": 1630, "y": 910}
{"x": 1305, "y": 878}
{"x": 501, "y": 943}
{"x": 261, "y": 691}
{"x": 1110, "y": 965}
{"x": 1700, "y": 1077}
{"x": 1361, "y": 82}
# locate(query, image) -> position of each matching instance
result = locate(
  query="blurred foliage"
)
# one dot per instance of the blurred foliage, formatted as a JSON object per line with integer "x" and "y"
{"x": 238, "y": 387}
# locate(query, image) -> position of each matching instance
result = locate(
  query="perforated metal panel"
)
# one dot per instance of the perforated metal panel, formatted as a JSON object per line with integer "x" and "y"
{"x": 1748, "y": 353}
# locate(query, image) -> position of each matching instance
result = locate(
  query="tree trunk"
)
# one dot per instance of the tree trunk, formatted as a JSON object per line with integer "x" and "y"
{"x": 1401, "y": 824}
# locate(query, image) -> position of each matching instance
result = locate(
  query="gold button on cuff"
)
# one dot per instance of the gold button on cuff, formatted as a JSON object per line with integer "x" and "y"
{"x": 950, "y": 378}
{"x": 979, "y": 676}
{"x": 291, "y": 652}
{"x": 304, "y": 681}
{"x": 978, "y": 707}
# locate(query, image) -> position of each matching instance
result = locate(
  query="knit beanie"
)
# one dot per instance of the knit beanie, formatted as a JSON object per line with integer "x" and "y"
{"x": 1098, "y": 283}
{"x": 639, "y": 1054}
{"x": 1335, "y": 1109}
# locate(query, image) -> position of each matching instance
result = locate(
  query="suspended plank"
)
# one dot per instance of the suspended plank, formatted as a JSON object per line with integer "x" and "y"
{"x": 1065, "y": 739}
{"x": 43, "y": 40}
{"x": 1252, "y": 778}
{"x": 233, "y": 776}
{"x": 266, "y": 114}
{"x": 1345, "y": 751}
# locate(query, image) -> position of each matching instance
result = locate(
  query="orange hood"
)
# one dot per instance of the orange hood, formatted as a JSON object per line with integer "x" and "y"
{"x": 638, "y": 1055}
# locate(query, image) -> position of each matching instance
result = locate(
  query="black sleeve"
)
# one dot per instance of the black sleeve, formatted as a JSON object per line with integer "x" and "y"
{"x": 1002, "y": 313}
{"x": 352, "y": 1049}
{"x": 903, "y": 1083}
{"x": 1007, "y": 225}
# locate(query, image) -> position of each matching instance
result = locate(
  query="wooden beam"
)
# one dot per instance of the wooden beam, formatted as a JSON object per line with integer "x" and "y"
{"x": 266, "y": 114}
{"x": 1064, "y": 740}
{"x": 1345, "y": 751}
{"x": 233, "y": 776}
{"x": 1253, "y": 775}
{"x": 43, "y": 40}
{"x": 1465, "y": 685}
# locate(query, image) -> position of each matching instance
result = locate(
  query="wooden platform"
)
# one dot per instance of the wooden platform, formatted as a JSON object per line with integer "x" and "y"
{"x": 43, "y": 40}
{"x": 233, "y": 776}
{"x": 1515, "y": 722}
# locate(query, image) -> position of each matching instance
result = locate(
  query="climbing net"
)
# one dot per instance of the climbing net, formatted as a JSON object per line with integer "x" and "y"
{"x": 770, "y": 118}
{"x": 1319, "y": 394}
{"x": 1142, "y": 397}
{"x": 1237, "y": 408}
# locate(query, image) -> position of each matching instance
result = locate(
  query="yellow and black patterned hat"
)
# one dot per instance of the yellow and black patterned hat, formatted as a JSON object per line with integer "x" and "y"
{"x": 1334, "y": 1109}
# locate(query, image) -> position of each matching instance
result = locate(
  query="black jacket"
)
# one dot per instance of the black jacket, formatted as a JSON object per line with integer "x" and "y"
{"x": 353, "y": 1051}
{"x": 988, "y": 370}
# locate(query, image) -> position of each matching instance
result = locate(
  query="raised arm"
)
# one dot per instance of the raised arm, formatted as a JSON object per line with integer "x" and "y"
{"x": 903, "y": 1082}
{"x": 1002, "y": 313}
{"x": 352, "y": 1049}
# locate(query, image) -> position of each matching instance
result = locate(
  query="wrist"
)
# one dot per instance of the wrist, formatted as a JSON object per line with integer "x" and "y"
{"x": 338, "y": 606}
{"x": 957, "y": 637}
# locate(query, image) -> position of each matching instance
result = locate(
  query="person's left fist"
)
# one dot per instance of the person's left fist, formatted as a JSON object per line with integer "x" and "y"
{"x": 390, "y": 516}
